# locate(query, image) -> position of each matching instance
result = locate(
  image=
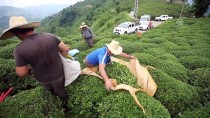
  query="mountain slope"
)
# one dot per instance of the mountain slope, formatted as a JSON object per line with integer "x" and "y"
{"x": 92, "y": 11}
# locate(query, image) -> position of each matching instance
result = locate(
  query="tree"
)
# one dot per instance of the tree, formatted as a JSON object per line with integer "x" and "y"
{"x": 201, "y": 6}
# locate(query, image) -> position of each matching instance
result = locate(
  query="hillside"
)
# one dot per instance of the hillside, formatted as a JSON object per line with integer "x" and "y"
{"x": 179, "y": 54}
{"x": 103, "y": 15}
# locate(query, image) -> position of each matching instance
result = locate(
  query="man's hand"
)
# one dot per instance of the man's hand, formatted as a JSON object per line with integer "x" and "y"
{"x": 108, "y": 84}
{"x": 132, "y": 57}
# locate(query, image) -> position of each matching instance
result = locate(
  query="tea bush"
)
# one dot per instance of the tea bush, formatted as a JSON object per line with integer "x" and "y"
{"x": 35, "y": 103}
{"x": 175, "y": 95}
{"x": 204, "y": 96}
{"x": 200, "y": 77}
{"x": 146, "y": 59}
{"x": 156, "y": 40}
{"x": 174, "y": 69}
{"x": 7, "y": 51}
{"x": 130, "y": 48}
{"x": 90, "y": 99}
{"x": 197, "y": 113}
{"x": 10, "y": 79}
{"x": 191, "y": 52}
{"x": 193, "y": 62}
{"x": 80, "y": 45}
{"x": 7, "y": 42}
{"x": 131, "y": 37}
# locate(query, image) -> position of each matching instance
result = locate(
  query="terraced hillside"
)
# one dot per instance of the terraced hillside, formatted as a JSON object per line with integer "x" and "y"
{"x": 179, "y": 53}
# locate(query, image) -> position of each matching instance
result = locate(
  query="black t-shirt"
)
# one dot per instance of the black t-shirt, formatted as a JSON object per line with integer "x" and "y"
{"x": 42, "y": 53}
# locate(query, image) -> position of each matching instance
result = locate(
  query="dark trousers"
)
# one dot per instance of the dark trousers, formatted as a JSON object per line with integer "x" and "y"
{"x": 89, "y": 41}
{"x": 57, "y": 87}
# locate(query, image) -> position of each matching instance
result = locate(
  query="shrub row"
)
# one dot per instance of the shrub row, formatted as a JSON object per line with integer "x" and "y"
{"x": 175, "y": 95}
{"x": 200, "y": 77}
{"x": 7, "y": 51}
{"x": 90, "y": 99}
{"x": 35, "y": 103}
{"x": 10, "y": 79}
{"x": 193, "y": 62}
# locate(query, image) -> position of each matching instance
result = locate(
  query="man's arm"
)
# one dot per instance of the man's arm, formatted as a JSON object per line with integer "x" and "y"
{"x": 63, "y": 49}
{"x": 107, "y": 81}
{"x": 23, "y": 71}
{"x": 127, "y": 56}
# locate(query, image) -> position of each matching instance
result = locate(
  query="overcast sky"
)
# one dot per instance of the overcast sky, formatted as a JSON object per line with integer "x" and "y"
{"x": 28, "y": 3}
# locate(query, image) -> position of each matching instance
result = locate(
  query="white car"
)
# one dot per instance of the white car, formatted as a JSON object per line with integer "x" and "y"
{"x": 145, "y": 23}
{"x": 163, "y": 18}
{"x": 126, "y": 28}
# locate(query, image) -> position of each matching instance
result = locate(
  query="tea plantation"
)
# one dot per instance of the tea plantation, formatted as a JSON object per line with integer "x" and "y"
{"x": 180, "y": 55}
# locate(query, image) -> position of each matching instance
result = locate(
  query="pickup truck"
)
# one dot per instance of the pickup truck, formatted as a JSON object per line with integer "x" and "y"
{"x": 145, "y": 23}
{"x": 163, "y": 17}
{"x": 126, "y": 28}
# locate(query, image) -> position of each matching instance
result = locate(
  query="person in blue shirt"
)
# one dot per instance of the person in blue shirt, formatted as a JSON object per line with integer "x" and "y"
{"x": 101, "y": 57}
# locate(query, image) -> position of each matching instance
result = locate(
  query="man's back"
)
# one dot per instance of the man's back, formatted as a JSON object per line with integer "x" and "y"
{"x": 41, "y": 52}
{"x": 86, "y": 32}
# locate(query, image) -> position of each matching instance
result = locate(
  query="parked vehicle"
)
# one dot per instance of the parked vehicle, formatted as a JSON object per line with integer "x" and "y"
{"x": 163, "y": 18}
{"x": 126, "y": 28}
{"x": 145, "y": 23}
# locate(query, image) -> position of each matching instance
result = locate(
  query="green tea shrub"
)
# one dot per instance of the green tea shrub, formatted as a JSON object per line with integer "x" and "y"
{"x": 80, "y": 45}
{"x": 204, "y": 52}
{"x": 146, "y": 46}
{"x": 155, "y": 33}
{"x": 69, "y": 41}
{"x": 175, "y": 95}
{"x": 184, "y": 44}
{"x": 85, "y": 93}
{"x": 203, "y": 112}
{"x": 7, "y": 51}
{"x": 10, "y": 79}
{"x": 201, "y": 45}
{"x": 131, "y": 37}
{"x": 187, "y": 52}
{"x": 179, "y": 39}
{"x": 7, "y": 42}
{"x": 156, "y": 51}
{"x": 174, "y": 69}
{"x": 121, "y": 104}
{"x": 204, "y": 96}
{"x": 195, "y": 40}
{"x": 103, "y": 42}
{"x": 167, "y": 57}
{"x": 89, "y": 98}
{"x": 130, "y": 47}
{"x": 169, "y": 46}
{"x": 7, "y": 67}
{"x": 146, "y": 59}
{"x": 35, "y": 103}
{"x": 155, "y": 40}
{"x": 181, "y": 53}
{"x": 200, "y": 77}
{"x": 193, "y": 62}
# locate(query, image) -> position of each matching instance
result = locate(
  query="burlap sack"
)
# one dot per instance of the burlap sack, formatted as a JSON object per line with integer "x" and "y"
{"x": 144, "y": 79}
